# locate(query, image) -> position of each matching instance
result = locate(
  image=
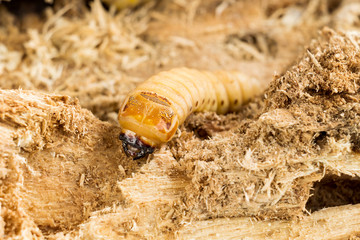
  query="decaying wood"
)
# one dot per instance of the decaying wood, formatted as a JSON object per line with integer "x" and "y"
{"x": 53, "y": 131}
{"x": 41, "y": 130}
{"x": 151, "y": 208}
{"x": 249, "y": 174}
{"x": 332, "y": 223}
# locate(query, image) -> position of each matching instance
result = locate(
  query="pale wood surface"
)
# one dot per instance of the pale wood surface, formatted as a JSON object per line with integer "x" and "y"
{"x": 331, "y": 223}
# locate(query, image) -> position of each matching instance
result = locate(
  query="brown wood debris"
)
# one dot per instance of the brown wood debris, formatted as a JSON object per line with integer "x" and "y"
{"x": 286, "y": 166}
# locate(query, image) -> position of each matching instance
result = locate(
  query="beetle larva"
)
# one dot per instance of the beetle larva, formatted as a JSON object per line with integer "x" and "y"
{"x": 121, "y": 4}
{"x": 151, "y": 114}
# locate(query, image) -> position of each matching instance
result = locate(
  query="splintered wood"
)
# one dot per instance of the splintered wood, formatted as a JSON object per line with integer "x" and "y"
{"x": 250, "y": 175}
{"x": 324, "y": 224}
{"x": 307, "y": 128}
{"x": 48, "y": 142}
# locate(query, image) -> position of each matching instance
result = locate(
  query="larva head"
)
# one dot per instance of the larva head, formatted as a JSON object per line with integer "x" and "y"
{"x": 147, "y": 120}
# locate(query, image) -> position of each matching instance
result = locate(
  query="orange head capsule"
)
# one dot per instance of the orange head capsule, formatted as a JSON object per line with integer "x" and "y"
{"x": 147, "y": 120}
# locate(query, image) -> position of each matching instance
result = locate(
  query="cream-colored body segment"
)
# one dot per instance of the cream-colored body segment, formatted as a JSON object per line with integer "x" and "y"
{"x": 153, "y": 111}
{"x": 220, "y": 91}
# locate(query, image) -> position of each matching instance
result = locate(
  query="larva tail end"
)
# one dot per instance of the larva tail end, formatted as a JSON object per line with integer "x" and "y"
{"x": 134, "y": 147}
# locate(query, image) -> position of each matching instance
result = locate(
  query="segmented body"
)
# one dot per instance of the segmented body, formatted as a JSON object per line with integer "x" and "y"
{"x": 151, "y": 114}
{"x": 121, "y": 4}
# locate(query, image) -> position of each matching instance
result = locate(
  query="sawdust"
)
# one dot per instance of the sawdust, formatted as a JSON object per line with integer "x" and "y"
{"x": 262, "y": 167}
{"x": 63, "y": 173}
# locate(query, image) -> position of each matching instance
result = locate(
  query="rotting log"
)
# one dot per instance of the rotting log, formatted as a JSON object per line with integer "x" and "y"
{"x": 152, "y": 210}
{"x": 58, "y": 163}
{"x": 332, "y": 223}
{"x": 151, "y": 206}
{"x": 62, "y": 168}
